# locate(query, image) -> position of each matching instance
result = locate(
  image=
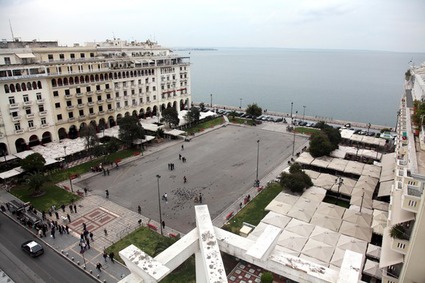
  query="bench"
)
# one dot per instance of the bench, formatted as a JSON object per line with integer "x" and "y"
{"x": 66, "y": 188}
{"x": 259, "y": 189}
{"x": 136, "y": 153}
{"x": 81, "y": 194}
{"x": 153, "y": 227}
{"x": 172, "y": 235}
{"x": 228, "y": 216}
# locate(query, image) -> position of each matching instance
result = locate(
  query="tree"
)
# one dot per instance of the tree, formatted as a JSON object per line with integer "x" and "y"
{"x": 296, "y": 180}
{"x": 233, "y": 114}
{"x": 254, "y": 110}
{"x": 267, "y": 277}
{"x": 320, "y": 145}
{"x": 113, "y": 145}
{"x": 130, "y": 130}
{"x": 171, "y": 116}
{"x": 333, "y": 135}
{"x": 202, "y": 106}
{"x": 35, "y": 182}
{"x": 89, "y": 135}
{"x": 398, "y": 232}
{"x": 33, "y": 163}
{"x": 192, "y": 116}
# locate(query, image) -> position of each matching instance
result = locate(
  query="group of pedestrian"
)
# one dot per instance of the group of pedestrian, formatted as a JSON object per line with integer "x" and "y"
{"x": 171, "y": 166}
{"x": 85, "y": 238}
{"x": 105, "y": 172}
{"x": 111, "y": 256}
{"x": 165, "y": 197}
{"x": 54, "y": 226}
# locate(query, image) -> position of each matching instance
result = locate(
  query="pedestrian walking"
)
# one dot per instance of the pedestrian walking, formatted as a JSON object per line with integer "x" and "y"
{"x": 99, "y": 266}
{"x": 63, "y": 207}
{"x": 107, "y": 193}
{"x": 60, "y": 229}
{"x": 84, "y": 226}
{"x": 163, "y": 224}
{"x": 200, "y": 198}
{"x": 50, "y": 212}
{"x": 88, "y": 243}
{"x": 165, "y": 197}
{"x": 182, "y": 147}
{"x": 111, "y": 256}
{"x": 184, "y": 179}
{"x": 40, "y": 233}
{"x": 107, "y": 171}
{"x": 105, "y": 256}
{"x": 70, "y": 208}
{"x": 67, "y": 229}
{"x": 139, "y": 209}
{"x": 91, "y": 236}
{"x": 69, "y": 218}
{"x": 180, "y": 157}
{"x": 57, "y": 215}
{"x": 140, "y": 222}
{"x": 105, "y": 231}
{"x": 43, "y": 215}
{"x": 52, "y": 233}
{"x": 85, "y": 191}
{"x": 104, "y": 172}
{"x": 75, "y": 208}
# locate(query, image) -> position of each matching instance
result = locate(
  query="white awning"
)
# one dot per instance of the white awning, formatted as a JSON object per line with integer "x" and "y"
{"x": 25, "y": 55}
{"x": 388, "y": 256}
{"x": 174, "y": 133}
{"x": 385, "y": 188}
{"x": 399, "y": 215}
{"x": 9, "y": 174}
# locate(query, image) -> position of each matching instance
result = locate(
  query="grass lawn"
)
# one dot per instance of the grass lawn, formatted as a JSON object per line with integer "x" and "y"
{"x": 306, "y": 131}
{"x": 205, "y": 125}
{"x": 254, "y": 211}
{"x": 152, "y": 243}
{"x": 237, "y": 120}
{"x": 53, "y": 196}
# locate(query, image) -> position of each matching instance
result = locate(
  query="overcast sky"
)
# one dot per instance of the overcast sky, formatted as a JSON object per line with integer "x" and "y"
{"x": 393, "y": 25}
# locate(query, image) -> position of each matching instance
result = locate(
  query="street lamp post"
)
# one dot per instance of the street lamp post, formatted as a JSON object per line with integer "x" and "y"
{"x": 293, "y": 141}
{"x": 304, "y": 112}
{"x": 257, "y": 182}
{"x": 211, "y": 100}
{"x": 64, "y": 158}
{"x": 292, "y": 105}
{"x": 159, "y": 204}
{"x": 339, "y": 181}
{"x": 240, "y": 103}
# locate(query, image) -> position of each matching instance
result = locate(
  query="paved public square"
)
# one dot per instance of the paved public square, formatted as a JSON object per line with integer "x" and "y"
{"x": 221, "y": 165}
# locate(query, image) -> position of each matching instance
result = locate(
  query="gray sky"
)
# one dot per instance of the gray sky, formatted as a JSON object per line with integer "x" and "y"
{"x": 393, "y": 25}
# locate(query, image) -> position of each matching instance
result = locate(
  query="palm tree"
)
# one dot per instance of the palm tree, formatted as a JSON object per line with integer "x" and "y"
{"x": 398, "y": 232}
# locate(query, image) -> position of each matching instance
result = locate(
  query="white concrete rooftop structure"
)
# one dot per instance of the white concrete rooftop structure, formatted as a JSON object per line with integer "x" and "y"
{"x": 206, "y": 242}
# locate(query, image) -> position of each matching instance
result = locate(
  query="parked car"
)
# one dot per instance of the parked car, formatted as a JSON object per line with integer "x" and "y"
{"x": 32, "y": 248}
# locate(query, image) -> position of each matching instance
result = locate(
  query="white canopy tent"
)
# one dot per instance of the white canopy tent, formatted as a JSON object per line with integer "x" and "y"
{"x": 318, "y": 250}
{"x": 362, "y": 219}
{"x": 292, "y": 241}
{"x": 299, "y": 227}
{"x": 278, "y": 207}
{"x": 371, "y": 268}
{"x": 324, "y": 235}
{"x": 354, "y": 230}
{"x": 276, "y": 219}
{"x": 327, "y": 222}
{"x": 373, "y": 251}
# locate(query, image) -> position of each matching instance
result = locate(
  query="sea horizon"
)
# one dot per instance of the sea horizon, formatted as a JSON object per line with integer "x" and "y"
{"x": 354, "y": 85}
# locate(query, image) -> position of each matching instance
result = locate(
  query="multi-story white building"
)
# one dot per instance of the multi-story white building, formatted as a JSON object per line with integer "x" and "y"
{"x": 49, "y": 92}
{"x": 402, "y": 257}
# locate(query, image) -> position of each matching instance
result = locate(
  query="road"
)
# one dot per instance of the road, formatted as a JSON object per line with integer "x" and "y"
{"x": 221, "y": 165}
{"x": 49, "y": 267}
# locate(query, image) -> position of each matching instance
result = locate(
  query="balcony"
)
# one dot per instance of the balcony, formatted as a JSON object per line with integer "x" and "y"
{"x": 117, "y": 87}
{"x": 118, "y": 98}
{"x": 90, "y": 93}
{"x": 119, "y": 108}
{"x": 111, "y": 110}
{"x": 92, "y": 115}
{"x": 44, "y": 126}
{"x": 80, "y": 94}
{"x": 399, "y": 245}
{"x": 109, "y": 100}
{"x": 99, "y": 91}
{"x": 16, "y": 118}
{"x": 133, "y": 86}
{"x": 70, "y": 120}
{"x": 80, "y": 106}
{"x": 13, "y": 105}
{"x": 108, "y": 90}
{"x": 126, "y": 97}
{"x": 100, "y": 102}
{"x": 42, "y": 113}
{"x": 30, "y": 116}
{"x": 125, "y": 86}
{"x": 40, "y": 101}
{"x": 127, "y": 107}
{"x": 90, "y": 104}
{"x": 20, "y": 131}
{"x": 60, "y": 122}
{"x": 68, "y": 96}
{"x": 101, "y": 112}
{"x": 71, "y": 107}
{"x": 33, "y": 128}
{"x": 141, "y": 94}
{"x": 27, "y": 103}
{"x": 82, "y": 118}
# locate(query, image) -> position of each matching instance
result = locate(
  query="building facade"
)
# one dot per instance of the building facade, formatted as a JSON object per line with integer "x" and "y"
{"x": 403, "y": 247}
{"x": 50, "y": 92}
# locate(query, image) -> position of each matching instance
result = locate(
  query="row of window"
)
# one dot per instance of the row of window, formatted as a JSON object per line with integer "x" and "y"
{"x": 61, "y": 56}
{"x": 25, "y": 98}
{"x": 22, "y": 86}
{"x": 101, "y": 77}
{"x": 30, "y": 124}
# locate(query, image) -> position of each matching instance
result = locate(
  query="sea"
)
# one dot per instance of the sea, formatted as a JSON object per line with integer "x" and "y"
{"x": 361, "y": 86}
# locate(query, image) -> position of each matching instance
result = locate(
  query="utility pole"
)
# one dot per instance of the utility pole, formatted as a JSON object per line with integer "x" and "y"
{"x": 159, "y": 205}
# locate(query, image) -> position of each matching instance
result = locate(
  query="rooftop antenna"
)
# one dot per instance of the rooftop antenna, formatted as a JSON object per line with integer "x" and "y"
{"x": 113, "y": 35}
{"x": 11, "y": 30}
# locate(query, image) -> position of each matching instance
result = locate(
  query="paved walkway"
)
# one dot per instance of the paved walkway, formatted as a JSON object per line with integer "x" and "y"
{"x": 100, "y": 215}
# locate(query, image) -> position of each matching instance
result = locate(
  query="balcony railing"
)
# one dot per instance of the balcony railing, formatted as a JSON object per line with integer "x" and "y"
{"x": 16, "y": 118}
{"x": 71, "y": 107}
{"x": 90, "y": 104}
{"x": 99, "y": 91}
{"x": 30, "y": 116}
{"x": 44, "y": 126}
{"x": 27, "y": 103}
{"x": 68, "y": 96}
{"x": 13, "y": 105}
{"x": 101, "y": 112}
{"x": 71, "y": 119}
{"x": 90, "y": 93}
{"x": 100, "y": 102}
{"x": 110, "y": 110}
{"x": 40, "y": 101}
{"x": 108, "y": 90}
{"x": 80, "y": 94}
{"x": 20, "y": 131}
{"x": 82, "y": 118}
{"x": 92, "y": 115}
{"x": 109, "y": 100}
{"x": 33, "y": 128}
{"x": 80, "y": 106}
